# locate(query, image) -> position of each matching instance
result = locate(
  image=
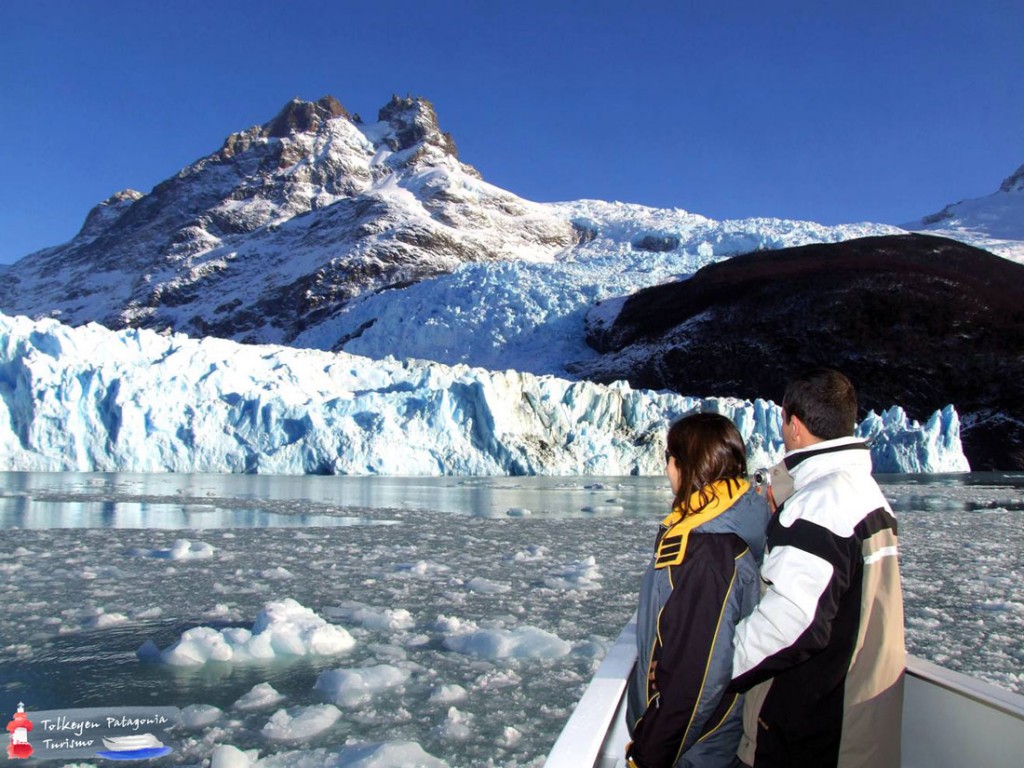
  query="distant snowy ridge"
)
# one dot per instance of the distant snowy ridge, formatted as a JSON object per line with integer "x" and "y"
{"x": 90, "y": 399}
{"x": 994, "y": 222}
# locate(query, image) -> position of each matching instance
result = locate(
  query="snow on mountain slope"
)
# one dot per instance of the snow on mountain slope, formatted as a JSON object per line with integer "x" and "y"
{"x": 994, "y": 222}
{"x": 530, "y": 316}
{"x": 318, "y": 230}
{"x": 285, "y": 222}
{"x": 91, "y": 399}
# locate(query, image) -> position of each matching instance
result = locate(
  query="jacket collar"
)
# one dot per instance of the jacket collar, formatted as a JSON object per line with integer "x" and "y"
{"x": 821, "y": 458}
{"x": 724, "y": 494}
{"x": 675, "y": 531}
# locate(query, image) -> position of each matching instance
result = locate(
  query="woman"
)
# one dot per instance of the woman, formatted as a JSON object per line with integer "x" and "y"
{"x": 702, "y": 580}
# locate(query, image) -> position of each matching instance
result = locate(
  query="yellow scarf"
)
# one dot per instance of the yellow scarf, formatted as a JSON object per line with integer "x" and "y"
{"x": 672, "y": 547}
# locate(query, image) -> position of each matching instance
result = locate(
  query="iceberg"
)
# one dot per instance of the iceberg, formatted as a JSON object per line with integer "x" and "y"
{"x": 95, "y": 400}
{"x": 282, "y": 629}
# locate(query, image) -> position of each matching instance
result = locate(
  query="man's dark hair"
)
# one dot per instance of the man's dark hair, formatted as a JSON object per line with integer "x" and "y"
{"x": 824, "y": 400}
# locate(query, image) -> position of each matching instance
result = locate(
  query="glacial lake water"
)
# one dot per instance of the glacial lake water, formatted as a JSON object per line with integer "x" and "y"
{"x": 94, "y": 565}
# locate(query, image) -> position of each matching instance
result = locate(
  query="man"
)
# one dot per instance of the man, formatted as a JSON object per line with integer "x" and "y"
{"x": 824, "y": 647}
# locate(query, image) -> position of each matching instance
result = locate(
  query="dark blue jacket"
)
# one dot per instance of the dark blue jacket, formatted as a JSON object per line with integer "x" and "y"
{"x": 702, "y": 580}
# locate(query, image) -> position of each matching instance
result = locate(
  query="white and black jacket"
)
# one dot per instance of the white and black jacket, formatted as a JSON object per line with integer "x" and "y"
{"x": 824, "y": 647}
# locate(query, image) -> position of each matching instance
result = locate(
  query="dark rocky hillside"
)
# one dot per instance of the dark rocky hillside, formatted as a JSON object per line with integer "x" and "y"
{"x": 918, "y": 320}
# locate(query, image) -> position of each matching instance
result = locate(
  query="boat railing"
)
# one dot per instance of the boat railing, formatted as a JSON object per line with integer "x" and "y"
{"x": 595, "y": 734}
{"x": 952, "y": 719}
{"x": 949, "y": 718}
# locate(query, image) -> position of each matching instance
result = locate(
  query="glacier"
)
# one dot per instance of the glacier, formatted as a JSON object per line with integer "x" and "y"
{"x": 95, "y": 400}
{"x": 530, "y": 315}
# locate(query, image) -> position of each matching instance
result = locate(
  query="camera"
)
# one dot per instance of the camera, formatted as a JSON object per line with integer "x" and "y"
{"x": 761, "y": 478}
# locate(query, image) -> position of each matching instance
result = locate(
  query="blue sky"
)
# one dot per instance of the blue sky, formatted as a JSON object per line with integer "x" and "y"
{"x": 833, "y": 112}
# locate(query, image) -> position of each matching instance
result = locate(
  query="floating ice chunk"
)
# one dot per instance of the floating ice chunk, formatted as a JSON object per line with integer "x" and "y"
{"x": 261, "y": 696}
{"x": 200, "y": 645}
{"x": 352, "y": 687}
{"x": 579, "y": 575}
{"x": 283, "y": 628}
{"x": 383, "y": 620}
{"x": 104, "y": 620}
{"x": 509, "y": 738}
{"x": 277, "y": 573}
{"x": 389, "y": 652}
{"x": 486, "y": 586}
{"x": 227, "y": 756}
{"x": 592, "y": 648}
{"x": 419, "y": 570}
{"x": 199, "y": 715}
{"x": 457, "y": 726}
{"x": 531, "y": 554}
{"x": 448, "y": 694}
{"x": 452, "y": 624}
{"x": 518, "y": 643}
{"x": 518, "y": 512}
{"x": 305, "y": 723}
{"x": 496, "y": 679}
{"x": 223, "y": 612}
{"x": 607, "y": 510}
{"x": 182, "y": 549}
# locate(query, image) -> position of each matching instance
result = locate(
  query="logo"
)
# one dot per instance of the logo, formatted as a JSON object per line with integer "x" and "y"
{"x": 121, "y": 733}
{"x": 19, "y": 748}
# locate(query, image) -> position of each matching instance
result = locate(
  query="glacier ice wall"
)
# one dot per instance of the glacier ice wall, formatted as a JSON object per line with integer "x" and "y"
{"x": 90, "y": 399}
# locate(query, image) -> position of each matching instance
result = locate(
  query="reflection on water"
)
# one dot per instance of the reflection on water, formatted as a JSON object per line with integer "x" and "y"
{"x": 183, "y": 501}
{"x": 966, "y": 492}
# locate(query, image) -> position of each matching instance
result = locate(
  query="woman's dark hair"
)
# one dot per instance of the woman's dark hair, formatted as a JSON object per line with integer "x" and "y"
{"x": 824, "y": 400}
{"x": 707, "y": 447}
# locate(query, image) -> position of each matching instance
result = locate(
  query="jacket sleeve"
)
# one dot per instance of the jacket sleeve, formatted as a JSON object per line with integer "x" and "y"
{"x": 805, "y": 574}
{"x": 686, "y": 688}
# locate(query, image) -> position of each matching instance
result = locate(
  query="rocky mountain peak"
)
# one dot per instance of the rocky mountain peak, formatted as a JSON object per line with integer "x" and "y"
{"x": 297, "y": 117}
{"x": 1014, "y": 183}
{"x": 300, "y": 116}
{"x": 414, "y": 121}
{"x": 107, "y": 212}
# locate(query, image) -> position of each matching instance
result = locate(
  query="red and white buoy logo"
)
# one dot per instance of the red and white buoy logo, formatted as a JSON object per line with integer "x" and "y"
{"x": 19, "y": 728}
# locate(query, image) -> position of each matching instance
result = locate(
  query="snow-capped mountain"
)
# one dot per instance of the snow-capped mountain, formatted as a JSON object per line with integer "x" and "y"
{"x": 283, "y": 224}
{"x": 318, "y": 230}
{"x": 994, "y": 222}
